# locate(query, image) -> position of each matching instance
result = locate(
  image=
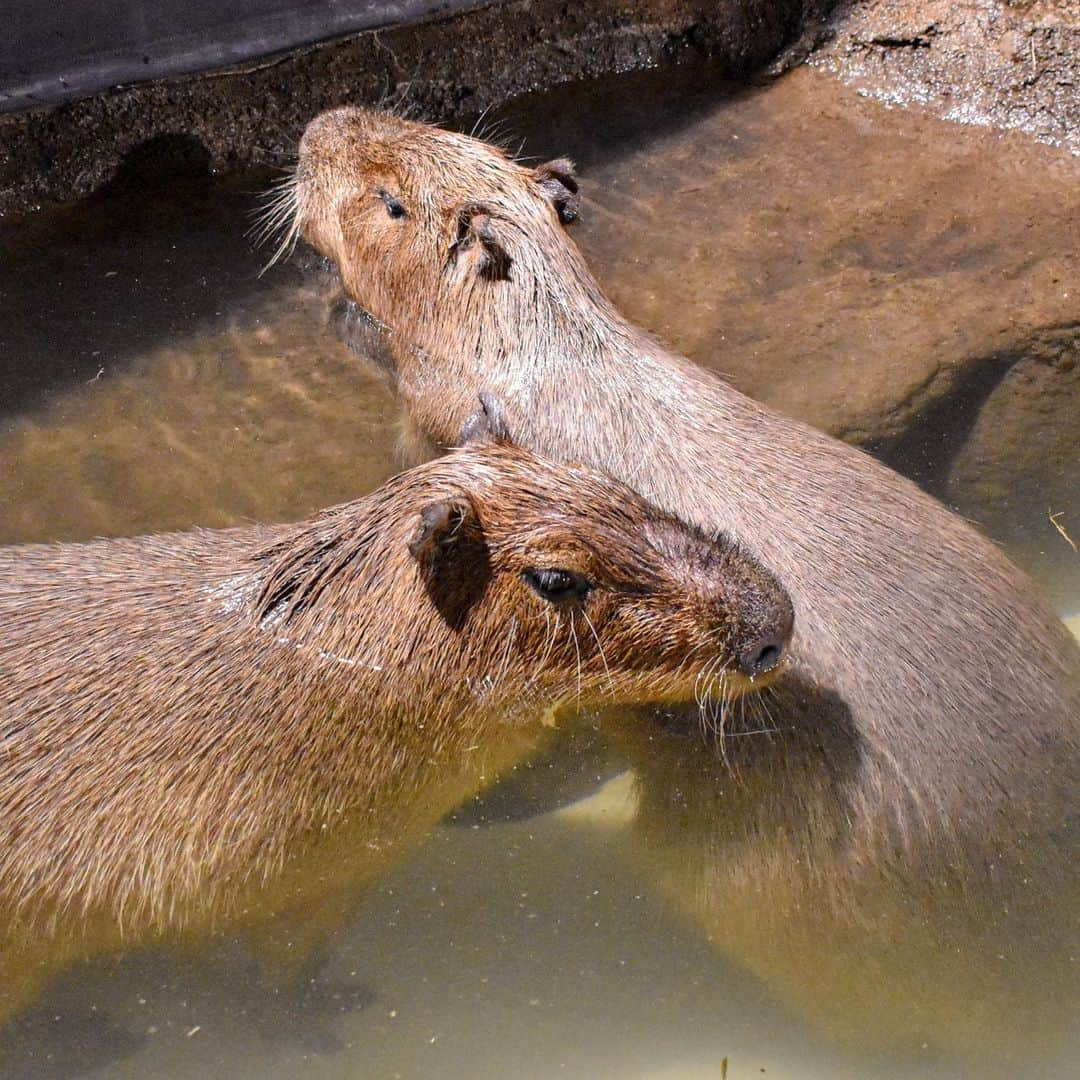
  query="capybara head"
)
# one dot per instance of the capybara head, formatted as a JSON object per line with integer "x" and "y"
{"x": 425, "y": 224}
{"x": 504, "y": 570}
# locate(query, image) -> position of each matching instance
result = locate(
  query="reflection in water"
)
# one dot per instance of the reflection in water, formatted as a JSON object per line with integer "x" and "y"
{"x": 154, "y": 381}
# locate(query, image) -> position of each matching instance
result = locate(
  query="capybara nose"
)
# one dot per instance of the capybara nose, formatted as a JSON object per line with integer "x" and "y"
{"x": 761, "y": 655}
{"x": 766, "y": 649}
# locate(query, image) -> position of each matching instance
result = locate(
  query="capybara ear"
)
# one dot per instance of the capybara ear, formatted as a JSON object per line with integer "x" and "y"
{"x": 441, "y": 525}
{"x": 478, "y": 238}
{"x": 450, "y": 547}
{"x": 559, "y": 183}
{"x": 487, "y": 424}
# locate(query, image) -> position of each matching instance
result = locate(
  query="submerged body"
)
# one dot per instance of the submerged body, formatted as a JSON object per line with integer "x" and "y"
{"x": 947, "y": 692}
{"x": 237, "y": 727}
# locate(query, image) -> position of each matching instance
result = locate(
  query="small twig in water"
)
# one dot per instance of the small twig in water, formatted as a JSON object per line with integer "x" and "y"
{"x": 1061, "y": 529}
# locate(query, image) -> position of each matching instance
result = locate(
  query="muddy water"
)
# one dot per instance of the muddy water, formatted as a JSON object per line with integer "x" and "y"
{"x": 906, "y": 284}
{"x": 156, "y": 381}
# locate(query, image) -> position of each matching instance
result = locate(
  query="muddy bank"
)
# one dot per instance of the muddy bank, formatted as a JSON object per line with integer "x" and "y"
{"x": 449, "y": 68}
{"x": 1007, "y": 65}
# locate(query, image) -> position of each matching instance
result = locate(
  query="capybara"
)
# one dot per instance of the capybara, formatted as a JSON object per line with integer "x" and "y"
{"x": 953, "y": 687}
{"x": 231, "y": 727}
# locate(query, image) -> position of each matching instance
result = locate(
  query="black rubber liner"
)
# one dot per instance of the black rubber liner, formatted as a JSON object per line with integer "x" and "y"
{"x": 54, "y": 52}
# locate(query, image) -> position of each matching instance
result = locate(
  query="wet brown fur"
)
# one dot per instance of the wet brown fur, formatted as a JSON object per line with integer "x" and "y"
{"x": 214, "y": 728}
{"x": 952, "y": 689}
{"x": 980, "y": 972}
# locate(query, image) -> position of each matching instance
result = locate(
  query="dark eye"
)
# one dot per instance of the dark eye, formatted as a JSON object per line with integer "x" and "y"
{"x": 557, "y": 585}
{"x": 394, "y": 208}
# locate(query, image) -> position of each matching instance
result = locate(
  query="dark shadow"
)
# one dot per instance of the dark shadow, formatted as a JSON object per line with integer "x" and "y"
{"x": 162, "y": 160}
{"x": 87, "y": 1018}
{"x": 795, "y": 729}
{"x": 301, "y": 1011}
{"x": 793, "y": 746}
{"x": 63, "y": 1035}
{"x": 574, "y": 765}
{"x": 930, "y": 442}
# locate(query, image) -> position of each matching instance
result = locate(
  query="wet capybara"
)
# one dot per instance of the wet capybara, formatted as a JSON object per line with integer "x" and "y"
{"x": 916, "y": 970}
{"x": 956, "y": 689}
{"x": 235, "y": 727}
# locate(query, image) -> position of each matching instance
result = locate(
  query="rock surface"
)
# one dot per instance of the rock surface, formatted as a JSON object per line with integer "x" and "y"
{"x": 999, "y": 64}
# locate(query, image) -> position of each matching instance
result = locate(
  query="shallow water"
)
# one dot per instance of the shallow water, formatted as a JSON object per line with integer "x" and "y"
{"x": 907, "y": 284}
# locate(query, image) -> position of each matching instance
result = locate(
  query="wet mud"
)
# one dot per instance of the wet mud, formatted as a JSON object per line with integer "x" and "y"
{"x": 1006, "y": 64}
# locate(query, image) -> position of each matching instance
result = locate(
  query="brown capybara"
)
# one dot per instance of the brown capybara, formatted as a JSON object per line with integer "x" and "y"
{"x": 955, "y": 689}
{"x": 211, "y": 728}
{"x": 918, "y": 970}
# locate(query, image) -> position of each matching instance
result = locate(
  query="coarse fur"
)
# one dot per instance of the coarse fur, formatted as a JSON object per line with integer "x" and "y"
{"x": 958, "y": 689}
{"x": 211, "y": 728}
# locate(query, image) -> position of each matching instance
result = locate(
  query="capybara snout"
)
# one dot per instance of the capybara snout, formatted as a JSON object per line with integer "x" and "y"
{"x": 764, "y": 622}
{"x": 738, "y": 601}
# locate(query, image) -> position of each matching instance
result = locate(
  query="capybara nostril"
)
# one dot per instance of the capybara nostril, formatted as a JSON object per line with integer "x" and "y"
{"x": 766, "y": 648}
{"x": 761, "y": 655}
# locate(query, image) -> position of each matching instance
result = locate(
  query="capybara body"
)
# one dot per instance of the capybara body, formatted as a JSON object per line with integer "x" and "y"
{"x": 217, "y": 728}
{"x": 922, "y": 968}
{"x": 953, "y": 688}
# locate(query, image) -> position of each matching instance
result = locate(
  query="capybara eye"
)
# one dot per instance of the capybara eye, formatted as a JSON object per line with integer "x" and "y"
{"x": 557, "y": 585}
{"x": 394, "y": 208}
